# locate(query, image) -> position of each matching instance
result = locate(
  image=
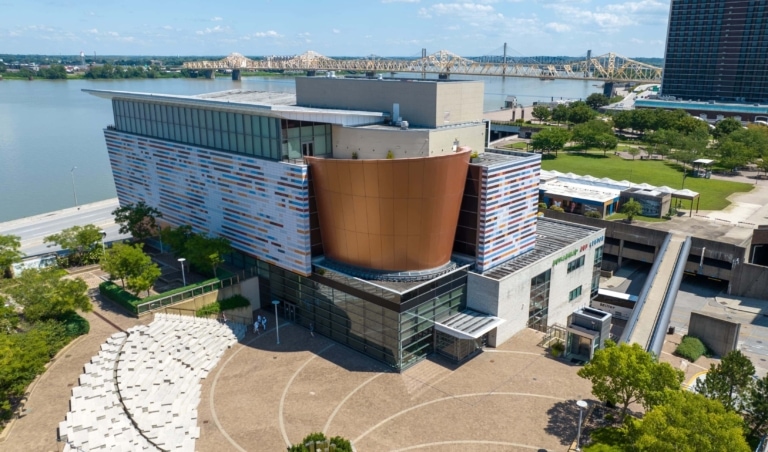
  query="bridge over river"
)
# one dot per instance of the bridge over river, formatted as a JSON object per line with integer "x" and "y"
{"x": 609, "y": 67}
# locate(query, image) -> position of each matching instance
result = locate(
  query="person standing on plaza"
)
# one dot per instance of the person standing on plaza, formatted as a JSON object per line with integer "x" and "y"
{"x": 256, "y": 326}
{"x": 312, "y": 329}
{"x": 264, "y": 322}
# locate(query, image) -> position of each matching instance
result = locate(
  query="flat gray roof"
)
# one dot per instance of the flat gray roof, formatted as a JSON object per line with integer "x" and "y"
{"x": 552, "y": 236}
{"x": 492, "y": 157}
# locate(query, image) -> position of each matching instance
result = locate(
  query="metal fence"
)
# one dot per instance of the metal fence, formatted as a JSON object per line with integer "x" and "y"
{"x": 193, "y": 291}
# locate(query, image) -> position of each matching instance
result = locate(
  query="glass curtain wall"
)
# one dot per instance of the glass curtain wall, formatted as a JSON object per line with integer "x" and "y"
{"x": 399, "y": 339}
{"x": 258, "y": 136}
{"x": 598, "y": 264}
{"x": 305, "y": 139}
{"x": 539, "y": 308}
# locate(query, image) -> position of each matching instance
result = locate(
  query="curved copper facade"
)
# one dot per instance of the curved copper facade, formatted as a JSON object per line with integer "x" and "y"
{"x": 390, "y": 215}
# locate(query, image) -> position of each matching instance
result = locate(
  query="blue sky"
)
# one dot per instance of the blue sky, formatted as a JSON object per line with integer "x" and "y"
{"x": 334, "y": 27}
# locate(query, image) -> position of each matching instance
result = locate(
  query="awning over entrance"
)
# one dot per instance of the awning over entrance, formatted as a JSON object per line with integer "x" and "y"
{"x": 468, "y": 324}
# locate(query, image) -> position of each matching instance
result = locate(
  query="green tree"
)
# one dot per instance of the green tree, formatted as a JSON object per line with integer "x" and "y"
{"x": 755, "y": 408}
{"x": 145, "y": 279}
{"x": 46, "y": 294}
{"x": 688, "y": 422}
{"x": 755, "y": 138}
{"x": 726, "y": 127}
{"x": 138, "y": 219}
{"x": 606, "y": 142}
{"x": 560, "y": 113}
{"x": 688, "y": 124}
{"x": 642, "y": 120}
{"x": 126, "y": 262}
{"x": 177, "y": 238}
{"x": 728, "y": 381}
{"x": 10, "y": 253}
{"x": 82, "y": 241}
{"x": 550, "y": 140}
{"x": 594, "y": 134}
{"x": 597, "y": 100}
{"x": 9, "y": 319}
{"x": 633, "y": 151}
{"x": 541, "y": 112}
{"x": 733, "y": 154}
{"x": 631, "y": 209}
{"x": 205, "y": 252}
{"x": 579, "y": 112}
{"x": 623, "y": 119}
{"x": 625, "y": 374}
{"x": 340, "y": 444}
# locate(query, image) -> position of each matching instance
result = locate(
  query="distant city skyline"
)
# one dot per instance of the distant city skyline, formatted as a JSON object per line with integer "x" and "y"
{"x": 339, "y": 27}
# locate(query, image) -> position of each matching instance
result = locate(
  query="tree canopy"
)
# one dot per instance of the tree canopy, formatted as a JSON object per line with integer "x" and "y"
{"x": 688, "y": 422}
{"x": 597, "y": 100}
{"x": 755, "y": 407}
{"x": 82, "y": 241}
{"x": 550, "y": 140}
{"x": 579, "y": 112}
{"x": 595, "y": 134}
{"x": 10, "y": 253}
{"x": 139, "y": 220}
{"x": 541, "y": 112}
{"x": 131, "y": 266}
{"x": 728, "y": 381}
{"x": 631, "y": 209}
{"x": 726, "y": 127}
{"x": 625, "y": 374}
{"x": 204, "y": 252}
{"x": 46, "y": 294}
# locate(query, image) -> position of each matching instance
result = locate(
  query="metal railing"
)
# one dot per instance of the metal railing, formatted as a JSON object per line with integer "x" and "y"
{"x": 194, "y": 291}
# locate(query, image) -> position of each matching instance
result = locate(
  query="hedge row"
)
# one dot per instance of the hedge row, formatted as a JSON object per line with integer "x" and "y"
{"x": 691, "y": 348}
{"x": 233, "y": 302}
{"x": 119, "y": 296}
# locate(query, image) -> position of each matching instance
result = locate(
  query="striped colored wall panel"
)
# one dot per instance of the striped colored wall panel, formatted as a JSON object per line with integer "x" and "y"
{"x": 508, "y": 206}
{"x": 261, "y": 206}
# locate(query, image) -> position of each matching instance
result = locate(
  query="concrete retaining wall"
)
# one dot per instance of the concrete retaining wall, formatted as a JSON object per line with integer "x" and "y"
{"x": 750, "y": 280}
{"x": 721, "y": 336}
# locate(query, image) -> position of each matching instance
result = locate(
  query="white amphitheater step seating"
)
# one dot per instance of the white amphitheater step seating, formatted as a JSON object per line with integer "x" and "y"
{"x": 142, "y": 390}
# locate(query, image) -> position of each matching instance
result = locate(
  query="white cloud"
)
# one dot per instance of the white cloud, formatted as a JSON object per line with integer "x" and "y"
{"x": 636, "y": 41}
{"x": 216, "y": 29}
{"x": 267, "y": 34}
{"x": 93, "y": 31}
{"x": 558, "y": 27}
{"x": 336, "y": 31}
{"x": 216, "y": 19}
{"x": 473, "y": 13}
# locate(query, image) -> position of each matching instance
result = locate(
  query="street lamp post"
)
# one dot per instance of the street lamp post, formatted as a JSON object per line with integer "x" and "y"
{"x": 103, "y": 236}
{"x": 277, "y": 323}
{"x": 74, "y": 192}
{"x": 183, "y": 276}
{"x": 582, "y": 405}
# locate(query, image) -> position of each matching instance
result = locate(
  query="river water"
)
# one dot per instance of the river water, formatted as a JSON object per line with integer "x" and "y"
{"x": 47, "y": 128}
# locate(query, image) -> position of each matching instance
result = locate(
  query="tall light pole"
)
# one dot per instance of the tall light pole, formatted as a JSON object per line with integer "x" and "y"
{"x": 183, "y": 276}
{"x": 277, "y": 324}
{"x": 103, "y": 236}
{"x": 74, "y": 192}
{"x": 582, "y": 405}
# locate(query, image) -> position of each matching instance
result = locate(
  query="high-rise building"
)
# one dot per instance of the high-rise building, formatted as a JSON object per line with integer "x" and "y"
{"x": 717, "y": 50}
{"x": 364, "y": 210}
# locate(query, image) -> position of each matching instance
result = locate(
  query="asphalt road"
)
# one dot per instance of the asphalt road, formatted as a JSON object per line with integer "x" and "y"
{"x": 32, "y": 230}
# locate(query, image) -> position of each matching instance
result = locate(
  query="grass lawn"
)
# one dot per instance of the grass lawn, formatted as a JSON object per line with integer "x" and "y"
{"x": 518, "y": 145}
{"x": 655, "y": 172}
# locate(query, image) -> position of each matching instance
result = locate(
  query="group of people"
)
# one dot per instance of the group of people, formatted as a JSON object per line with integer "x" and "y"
{"x": 261, "y": 322}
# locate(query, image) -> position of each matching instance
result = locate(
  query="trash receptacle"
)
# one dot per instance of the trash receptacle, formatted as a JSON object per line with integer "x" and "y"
{"x": 671, "y": 330}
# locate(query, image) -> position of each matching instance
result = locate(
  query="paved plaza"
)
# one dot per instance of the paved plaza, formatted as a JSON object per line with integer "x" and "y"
{"x": 264, "y": 396}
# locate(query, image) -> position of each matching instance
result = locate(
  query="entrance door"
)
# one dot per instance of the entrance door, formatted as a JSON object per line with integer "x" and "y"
{"x": 308, "y": 149}
{"x": 289, "y": 311}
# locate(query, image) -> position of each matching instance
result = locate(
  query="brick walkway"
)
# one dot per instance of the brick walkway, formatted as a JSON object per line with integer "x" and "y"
{"x": 263, "y": 396}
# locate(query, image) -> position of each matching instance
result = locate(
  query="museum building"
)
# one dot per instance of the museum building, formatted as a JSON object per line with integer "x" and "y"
{"x": 371, "y": 208}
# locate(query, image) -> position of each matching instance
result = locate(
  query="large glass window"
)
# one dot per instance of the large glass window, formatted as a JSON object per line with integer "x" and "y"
{"x": 538, "y": 309}
{"x": 233, "y": 132}
{"x": 576, "y": 263}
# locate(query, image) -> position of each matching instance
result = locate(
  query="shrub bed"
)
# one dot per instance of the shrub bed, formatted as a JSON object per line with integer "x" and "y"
{"x": 74, "y": 324}
{"x": 233, "y": 302}
{"x": 691, "y": 348}
{"x": 119, "y": 296}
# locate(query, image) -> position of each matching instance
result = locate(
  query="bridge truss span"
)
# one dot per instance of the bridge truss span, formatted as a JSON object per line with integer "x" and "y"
{"x": 607, "y": 67}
